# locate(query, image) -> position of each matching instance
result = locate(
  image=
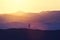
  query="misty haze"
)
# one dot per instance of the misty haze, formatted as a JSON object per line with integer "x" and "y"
{"x": 46, "y": 20}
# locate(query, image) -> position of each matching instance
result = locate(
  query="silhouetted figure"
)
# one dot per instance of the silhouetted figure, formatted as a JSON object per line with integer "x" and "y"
{"x": 29, "y": 26}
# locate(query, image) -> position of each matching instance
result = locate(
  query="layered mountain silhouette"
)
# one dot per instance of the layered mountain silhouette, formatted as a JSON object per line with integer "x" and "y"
{"x": 46, "y": 20}
{"x": 30, "y": 26}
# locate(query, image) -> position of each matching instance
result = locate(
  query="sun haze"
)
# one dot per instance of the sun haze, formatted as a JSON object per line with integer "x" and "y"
{"x": 11, "y": 6}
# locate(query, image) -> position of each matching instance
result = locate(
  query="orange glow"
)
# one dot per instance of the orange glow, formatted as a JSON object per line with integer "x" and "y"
{"x": 11, "y": 6}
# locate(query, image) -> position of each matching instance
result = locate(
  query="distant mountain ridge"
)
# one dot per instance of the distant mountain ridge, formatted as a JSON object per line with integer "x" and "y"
{"x": 46, "y": 20}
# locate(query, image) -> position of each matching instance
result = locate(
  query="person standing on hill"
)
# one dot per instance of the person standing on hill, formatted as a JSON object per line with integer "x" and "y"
{"x": 29, "y": 26}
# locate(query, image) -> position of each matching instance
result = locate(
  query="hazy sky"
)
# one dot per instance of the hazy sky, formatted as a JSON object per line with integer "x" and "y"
{"x": 9, "y": 6}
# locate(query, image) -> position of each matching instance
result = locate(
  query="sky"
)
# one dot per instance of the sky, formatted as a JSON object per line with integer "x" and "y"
{"x": 11, "y": 6}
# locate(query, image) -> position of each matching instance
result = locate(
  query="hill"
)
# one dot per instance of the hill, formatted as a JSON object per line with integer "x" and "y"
{"x": 29, "y": 34}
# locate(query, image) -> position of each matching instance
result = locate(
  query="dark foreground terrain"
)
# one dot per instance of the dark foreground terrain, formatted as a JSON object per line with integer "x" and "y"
{"x": 29, "y": 34}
